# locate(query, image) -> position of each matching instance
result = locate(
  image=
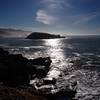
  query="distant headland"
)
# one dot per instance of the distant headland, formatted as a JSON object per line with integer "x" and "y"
{"x": 11, "y": 32}
{"x": 41, "y": 35}
{"x": 8, "y": 32}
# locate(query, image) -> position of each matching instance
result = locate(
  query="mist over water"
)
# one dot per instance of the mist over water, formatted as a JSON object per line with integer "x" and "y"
{"x": 73, "y": 59}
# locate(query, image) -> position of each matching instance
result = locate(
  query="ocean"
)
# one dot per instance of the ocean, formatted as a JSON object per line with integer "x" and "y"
{"x": 74, "y": 58}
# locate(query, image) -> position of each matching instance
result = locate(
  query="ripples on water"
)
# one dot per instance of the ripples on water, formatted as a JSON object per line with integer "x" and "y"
{"x": 73, "y": 59}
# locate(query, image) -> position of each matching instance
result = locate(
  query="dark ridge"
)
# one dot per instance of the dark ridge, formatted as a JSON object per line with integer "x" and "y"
{"x": 40, "y": 35}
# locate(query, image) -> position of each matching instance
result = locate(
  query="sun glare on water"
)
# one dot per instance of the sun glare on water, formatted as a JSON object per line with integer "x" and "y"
{"x": 55, "y": 49}
{"x": 52, "y": 42}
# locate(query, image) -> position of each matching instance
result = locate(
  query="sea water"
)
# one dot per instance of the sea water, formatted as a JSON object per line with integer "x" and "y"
{"x": 75, "y": 58}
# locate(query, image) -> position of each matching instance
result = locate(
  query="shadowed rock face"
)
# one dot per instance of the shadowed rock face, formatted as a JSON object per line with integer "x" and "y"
{"x": 16, "y": 69}
{"x": 38, "y": 35}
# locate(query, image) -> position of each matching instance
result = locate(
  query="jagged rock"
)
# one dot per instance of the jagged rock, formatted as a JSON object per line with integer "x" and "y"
{"x": 41, "y": 66}
{"x": 45, "y": 81}
{"x": 41, "y": 61}
{"x": 41, "y": 71}
{"x": 47, "y": 87}
{"x": 16, "y": 69}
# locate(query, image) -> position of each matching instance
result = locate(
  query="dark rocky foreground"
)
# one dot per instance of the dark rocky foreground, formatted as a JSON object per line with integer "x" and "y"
{"x": 16, "y": 72}
{"x": 9, "y": 93}
{"x": 40, "y": 35}
{"x": 16, "y": 69}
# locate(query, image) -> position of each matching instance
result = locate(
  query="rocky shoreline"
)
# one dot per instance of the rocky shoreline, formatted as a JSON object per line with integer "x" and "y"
{"x": 16, "y": 72}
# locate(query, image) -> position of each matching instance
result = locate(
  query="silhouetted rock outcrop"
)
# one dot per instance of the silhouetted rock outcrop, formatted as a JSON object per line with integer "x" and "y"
{"x": 16, "y": 69}
{"x": 40, "y": 35}
{"x": 41, "y": 66}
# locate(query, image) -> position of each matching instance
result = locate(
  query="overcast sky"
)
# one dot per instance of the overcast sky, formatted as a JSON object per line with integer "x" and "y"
{"x": 57, "y": 16}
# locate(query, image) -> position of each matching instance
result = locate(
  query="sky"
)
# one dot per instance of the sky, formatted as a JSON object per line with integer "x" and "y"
{"x": 55, "y": 16}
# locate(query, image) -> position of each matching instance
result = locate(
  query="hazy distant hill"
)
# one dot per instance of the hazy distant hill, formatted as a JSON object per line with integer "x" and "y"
{"x": 13, "y": 33}
{"x": 40, "y": 35}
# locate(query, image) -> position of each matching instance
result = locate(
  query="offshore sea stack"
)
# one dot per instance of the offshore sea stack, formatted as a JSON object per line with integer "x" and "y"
{"x": 40, "y": 35}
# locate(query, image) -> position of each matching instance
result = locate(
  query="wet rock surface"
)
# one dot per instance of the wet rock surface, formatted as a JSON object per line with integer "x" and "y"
{"x": 49, "y": 89}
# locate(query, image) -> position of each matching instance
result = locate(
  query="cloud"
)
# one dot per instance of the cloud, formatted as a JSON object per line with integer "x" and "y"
{"x": 50, "y": 11}
{"x": 43, "y": 17}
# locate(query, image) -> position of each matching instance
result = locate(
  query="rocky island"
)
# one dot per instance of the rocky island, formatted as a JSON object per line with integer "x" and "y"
{"x": 40, "y": 35}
